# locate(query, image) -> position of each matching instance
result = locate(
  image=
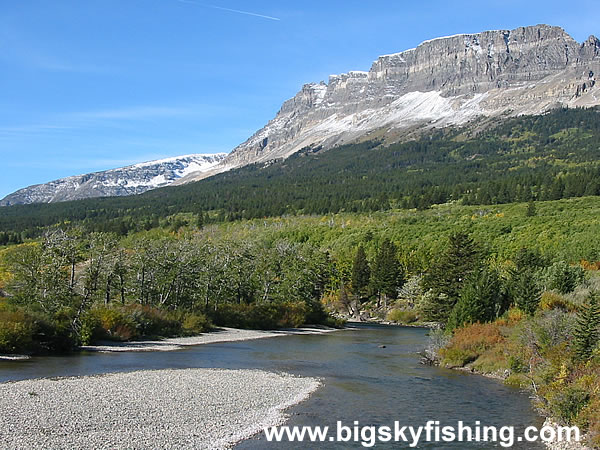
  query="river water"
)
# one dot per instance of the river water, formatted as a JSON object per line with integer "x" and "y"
{"x": 361, "y": 381}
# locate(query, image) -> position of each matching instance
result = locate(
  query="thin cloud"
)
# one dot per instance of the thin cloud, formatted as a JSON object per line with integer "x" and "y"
{"x": 247, "y": 13}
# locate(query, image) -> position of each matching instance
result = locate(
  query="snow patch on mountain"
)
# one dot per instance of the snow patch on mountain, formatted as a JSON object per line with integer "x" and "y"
{"x": 134, "y": 179}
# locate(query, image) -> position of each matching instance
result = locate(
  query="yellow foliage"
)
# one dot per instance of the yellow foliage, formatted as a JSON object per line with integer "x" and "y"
{"x": 563, "y": 374}
{"x": 552, "y": 300}
{"x": 587, "y": 265}
{"x": 515, "y": 315}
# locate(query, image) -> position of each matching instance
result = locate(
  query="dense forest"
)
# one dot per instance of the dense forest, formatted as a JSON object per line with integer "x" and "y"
{"x": 522, "y": 159}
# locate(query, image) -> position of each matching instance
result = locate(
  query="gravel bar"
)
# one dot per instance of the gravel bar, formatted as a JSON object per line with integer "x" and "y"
{"x": 166, "y": 409}
{"x": 221, "y": 335}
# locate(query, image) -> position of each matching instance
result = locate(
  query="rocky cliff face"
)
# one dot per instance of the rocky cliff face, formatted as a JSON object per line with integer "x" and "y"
{"x": 442, "y": 82}
{"x": 129, "y": 180}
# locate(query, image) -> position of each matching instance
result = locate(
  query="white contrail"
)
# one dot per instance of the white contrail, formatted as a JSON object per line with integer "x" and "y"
{"x": 230, "y": 10}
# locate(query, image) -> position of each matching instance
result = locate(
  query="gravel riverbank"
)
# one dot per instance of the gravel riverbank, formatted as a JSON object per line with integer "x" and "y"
{"x": 220, "y": 335}
{"x": 188, "y": 408}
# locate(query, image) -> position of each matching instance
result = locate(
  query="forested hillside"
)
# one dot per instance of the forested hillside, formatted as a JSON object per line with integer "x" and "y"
{"x": 529, "y": 158}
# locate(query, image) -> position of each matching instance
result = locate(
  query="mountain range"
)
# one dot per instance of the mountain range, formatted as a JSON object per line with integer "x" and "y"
{"x": 455, "y": 80}
{"x": 130, "y": 180}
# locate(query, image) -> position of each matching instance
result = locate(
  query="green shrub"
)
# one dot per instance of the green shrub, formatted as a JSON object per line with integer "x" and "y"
{"x": 456, "y": 357}
{"x": 518, "y": 380}
{"x": 16, "y": 332}
{"x": 491, "y": 361}
{"x": 54, "y": 333}
{"x": 402, "y": 316}
{"x": 516, "y": 364}
{"x": 35, "y": 332}
{"x": 334, "y": 322}
{"x": 565, "y": 402}
{"x": 265, "y": 316}
{"x": 230, "y": 315}
{"x": 196, "y": 323}
{"x": 562, "y": 277}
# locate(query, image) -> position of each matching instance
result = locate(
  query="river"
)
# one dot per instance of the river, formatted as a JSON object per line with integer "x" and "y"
{"x": 361, "y": 381}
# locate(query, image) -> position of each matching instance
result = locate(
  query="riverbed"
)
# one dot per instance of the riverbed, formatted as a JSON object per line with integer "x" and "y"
{"x": 360, "y": 380}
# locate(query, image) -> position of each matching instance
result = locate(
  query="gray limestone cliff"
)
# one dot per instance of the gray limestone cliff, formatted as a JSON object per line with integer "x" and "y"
{"x": 444, "y": 81}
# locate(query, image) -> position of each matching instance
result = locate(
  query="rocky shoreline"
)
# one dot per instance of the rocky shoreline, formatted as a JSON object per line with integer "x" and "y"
{"x": 185, "y": 408}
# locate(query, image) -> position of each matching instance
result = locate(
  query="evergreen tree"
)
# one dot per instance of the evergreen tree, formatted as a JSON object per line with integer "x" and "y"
{"x": 587, "y": 331}
{"x": 481, "y": 299}
{"x": 525, "y": 291}
{"x": 361, "y": 273}
{"x": 529, "y": 259}
{"x": 386, "y": 275}
{"x": 447, "y": 276}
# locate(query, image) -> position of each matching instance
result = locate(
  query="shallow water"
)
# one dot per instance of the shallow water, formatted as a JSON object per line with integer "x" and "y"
{"x": 361, "y": 382}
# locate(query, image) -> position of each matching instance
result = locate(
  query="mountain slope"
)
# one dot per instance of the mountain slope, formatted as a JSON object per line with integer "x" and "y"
{"x": 129, "y": 180}
{"x": 444, "y": 81}
{"x": 542, "y": 157}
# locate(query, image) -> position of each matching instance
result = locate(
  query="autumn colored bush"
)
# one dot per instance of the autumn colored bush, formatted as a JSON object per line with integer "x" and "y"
{"x": 110, "y": 323}
{"x": 477, "y": 337}
{"x": 124, "y": 323}
{"x": 470, "y": 342}
{"x": 514, "y": 316}
{"x": 589, "y": 265}
{"x": 151, "y": 321}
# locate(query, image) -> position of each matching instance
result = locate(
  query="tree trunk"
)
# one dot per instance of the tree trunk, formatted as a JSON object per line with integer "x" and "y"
{"x": 122, "y": 286}
{"x": 107, "y": 297}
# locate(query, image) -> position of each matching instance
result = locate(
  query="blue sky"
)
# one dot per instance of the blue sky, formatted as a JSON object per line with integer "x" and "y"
{"x": 88, "y": 85}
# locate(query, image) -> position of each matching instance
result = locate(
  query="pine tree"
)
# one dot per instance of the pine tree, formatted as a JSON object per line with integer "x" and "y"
{"x": 525, "y": 291}
{"x": 481, "y": 299}
{"x": 361, "y": 273}
{"x": 386, "y": 276}
{"x": 448, "y": 273}
{"x": 587, "y": 331}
